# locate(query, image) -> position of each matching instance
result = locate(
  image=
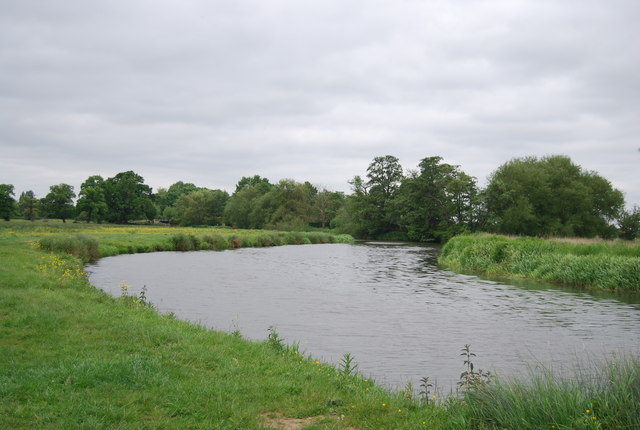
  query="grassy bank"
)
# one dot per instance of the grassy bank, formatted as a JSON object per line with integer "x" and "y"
{"x": 72, "y": 357}
{"x": 595, "y": 264}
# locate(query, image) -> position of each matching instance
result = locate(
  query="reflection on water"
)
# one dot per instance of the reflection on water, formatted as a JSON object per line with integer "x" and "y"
{"x": 390, "y": 306}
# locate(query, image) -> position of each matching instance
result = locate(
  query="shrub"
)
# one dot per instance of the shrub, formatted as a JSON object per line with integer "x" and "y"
{"x": 216, "y": 242}
{"x": 183, "y": 242}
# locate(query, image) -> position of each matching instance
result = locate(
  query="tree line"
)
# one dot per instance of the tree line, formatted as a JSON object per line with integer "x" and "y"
{"x": 548, "y": 196}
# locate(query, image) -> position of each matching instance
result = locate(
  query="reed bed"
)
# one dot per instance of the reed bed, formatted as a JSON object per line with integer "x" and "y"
{"x": 609, "y": 265}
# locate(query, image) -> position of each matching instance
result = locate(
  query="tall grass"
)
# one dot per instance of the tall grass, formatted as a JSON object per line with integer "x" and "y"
{"x": 611, "y": 266}
{"x": 81, "y": 246}
{"x": 605, "y": 396}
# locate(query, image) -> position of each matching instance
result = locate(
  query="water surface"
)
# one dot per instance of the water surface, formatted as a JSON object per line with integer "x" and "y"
{"x": 389, "y": 305}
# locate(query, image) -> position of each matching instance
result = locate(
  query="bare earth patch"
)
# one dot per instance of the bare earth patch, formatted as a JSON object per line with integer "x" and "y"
{"x": 281, "y": 422}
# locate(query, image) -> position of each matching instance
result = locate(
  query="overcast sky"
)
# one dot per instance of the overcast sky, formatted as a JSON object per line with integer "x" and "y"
{"x": 210, "y": 91}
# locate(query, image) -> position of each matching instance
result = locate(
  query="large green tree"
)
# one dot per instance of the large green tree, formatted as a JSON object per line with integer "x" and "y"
{"x": 326, "y": 205}
{"x": 629, "y": 223}
{"x": 201, "y": 207}
{"x": 58, "y": 203}
{"x": 167, "y": 198}
{"x": 369, "y": 211}
{"x": 28, "y": 204}
{"x": 7, "y": 202}
{"x": 128, "y": 198}
{"x": 437, "y": 202}
{"x": 246, "y": 208}
{"x": 288, "y": 205}
{"x": 551, "y": 196}
{"x": 92, "y": 204}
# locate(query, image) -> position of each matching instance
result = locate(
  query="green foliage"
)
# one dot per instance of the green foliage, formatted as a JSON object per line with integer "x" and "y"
{"x": 166, "y": 198}
{"x": 201, "y": 207}
{"x": 437, "y": 203}
{"x": 245, "y": 208}
{"x": 601, "y": 265}
{"x": 185, "y": 242}
{"x": 326, "y": 205}
{"x": 472, "y": 379}
{"x": 215, "y": 242}
{"x": 128, "y": 198}
{"x": 551, "y": 196}
{"x": 29, "y": 205}
{"x": 629, "y": 224}
{"x": 7, "y": 202}
{"x": 92, "y": 205}
{"x": 59, "y": 202}
{"x": 347, "y": 365}
{"x": 83, "y": 247}
{"x": 605, "y": 396}
{"x": 291, "y": 205}
{"x": 286, "y": 206}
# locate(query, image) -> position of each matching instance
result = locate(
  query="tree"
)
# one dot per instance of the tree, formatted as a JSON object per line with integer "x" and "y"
{"x": 369, "y": 208}
{"x": 7, "y": 202}
{"x": 290, "y": 204}
{"x": 551, "y": 196}
{"x": 92, "y": 202}
{"x": 128, "y": 198}
{"x": 326, "y": 205}
{"x": 385, "y": 175}
{"x": 246, "y": 208}
{"x": 436, "y": 202}
{"x": 167, "y": 198}
{"x": 58, "y": 203}
{"x": 253, "y": 181}
{"x": 28, "y": 204}
{"x": 202, "y": 207}
{"x": 629, "y": 224}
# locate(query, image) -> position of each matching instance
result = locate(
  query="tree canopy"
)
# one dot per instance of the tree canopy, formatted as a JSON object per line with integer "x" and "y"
{"x": 29, "y": 205}
{"x": 525, "y": 196}
{"x": 551, "y": 196}
{"x": 128, "y": 198}
{"x": 58, "y": 203}
{"x": 7, "y": 202}
{"x": 92, "y": 204}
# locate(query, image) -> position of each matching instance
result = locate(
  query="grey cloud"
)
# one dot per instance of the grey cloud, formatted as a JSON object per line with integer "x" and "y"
{"x": 206, "y": 92}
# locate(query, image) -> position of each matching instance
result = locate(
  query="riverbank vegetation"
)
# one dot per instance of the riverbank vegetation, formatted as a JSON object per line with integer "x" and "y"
{"x": 548, "y": 196}
{"x": 72, "y": 356}
{"x": 611, "y": 265}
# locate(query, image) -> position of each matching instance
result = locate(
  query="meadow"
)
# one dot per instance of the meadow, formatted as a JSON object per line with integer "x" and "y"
{"x": 600, "y": 264}
{"x": 72, "y": 356}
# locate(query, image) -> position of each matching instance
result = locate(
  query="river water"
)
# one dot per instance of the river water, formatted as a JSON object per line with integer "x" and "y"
{"x": 389, "y": 305}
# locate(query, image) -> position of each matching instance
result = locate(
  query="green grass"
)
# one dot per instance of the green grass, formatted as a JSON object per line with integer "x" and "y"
{"x": 602, "y": 396}
{"x": 605, "y": 265}
{"x": 73, "y": 357}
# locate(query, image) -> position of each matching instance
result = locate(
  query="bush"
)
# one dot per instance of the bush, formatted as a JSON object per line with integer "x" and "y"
{"x": 183, "y": 242}
{"x": 215, "y": 242}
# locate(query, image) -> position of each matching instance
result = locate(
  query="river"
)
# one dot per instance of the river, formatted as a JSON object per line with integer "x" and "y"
{"x": 400, "y": 315}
